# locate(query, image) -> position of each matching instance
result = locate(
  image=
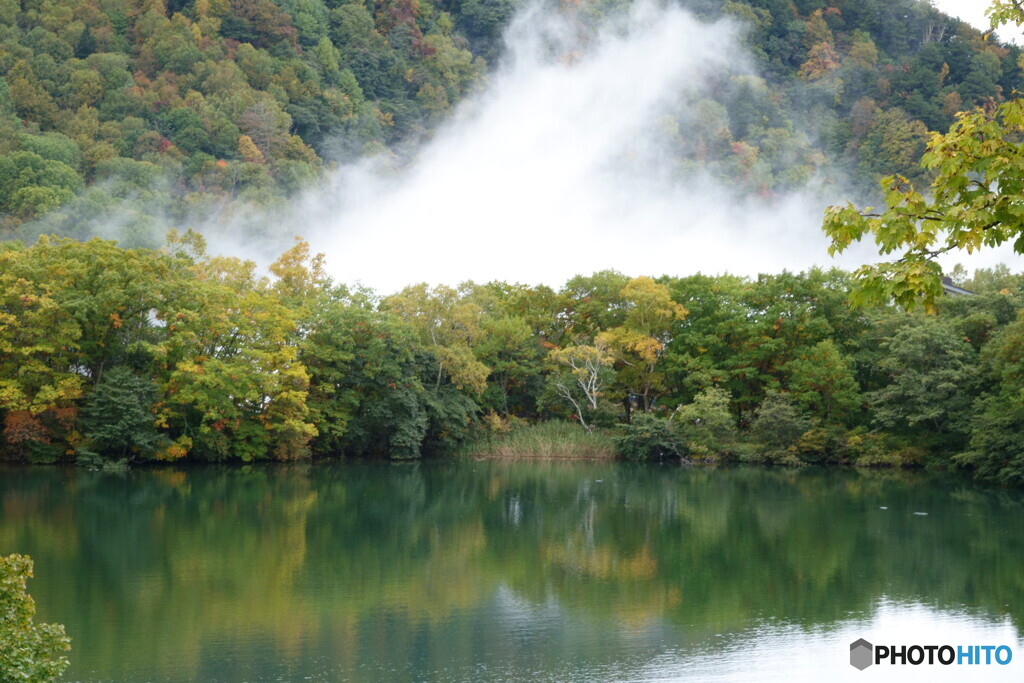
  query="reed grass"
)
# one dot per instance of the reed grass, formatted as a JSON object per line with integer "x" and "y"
{"x": 544, "y": 440}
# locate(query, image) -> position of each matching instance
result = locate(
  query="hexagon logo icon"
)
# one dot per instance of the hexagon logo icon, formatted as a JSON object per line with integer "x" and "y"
{"x": 861, "y": 654}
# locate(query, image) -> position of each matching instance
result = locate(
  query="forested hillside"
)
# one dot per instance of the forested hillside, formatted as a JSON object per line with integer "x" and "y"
{"x": 152, "y": 110}
{"x": 149, "y": 114}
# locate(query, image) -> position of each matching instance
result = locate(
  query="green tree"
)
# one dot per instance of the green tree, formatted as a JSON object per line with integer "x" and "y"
{"x": 53, "y": 146}
{"x": 365, "y": 393}
{"x": 995, "y": 451}
{"x": 593, "y": 303}
{"x": 995, "y": 280}
{"x": 777, "y": 427}
{"x": 117, "y": 418}
{"x": 893, "y": 145}
{"x": 705, "y": 345}
{"x": 513, "y": 355}
{"x": 821, "y": 382}
{"x": 31, "y": 185}
{"x": 933, "y": 376}
{"x": 86, "y": 43}
{"x": 231, "y": 381}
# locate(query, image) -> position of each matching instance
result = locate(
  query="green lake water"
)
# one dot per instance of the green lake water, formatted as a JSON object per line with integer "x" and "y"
{"x": 495, "y": 571}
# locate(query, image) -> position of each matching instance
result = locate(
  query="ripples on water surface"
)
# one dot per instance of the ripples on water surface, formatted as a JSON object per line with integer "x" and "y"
{"x": 485, "y": 571}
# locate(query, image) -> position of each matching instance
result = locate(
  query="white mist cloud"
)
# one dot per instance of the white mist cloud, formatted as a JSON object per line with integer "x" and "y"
{"x": 555, "y": 170}
{"x": 973, "y": 12}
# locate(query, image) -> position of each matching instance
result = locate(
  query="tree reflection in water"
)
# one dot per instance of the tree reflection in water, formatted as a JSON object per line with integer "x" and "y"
{"x": 487, "y": 569}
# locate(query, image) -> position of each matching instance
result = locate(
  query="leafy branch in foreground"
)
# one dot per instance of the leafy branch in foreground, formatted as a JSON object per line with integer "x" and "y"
{"x": 1006, "y": 12}
{"x": 28, "y": 651}
{"x": 977, "y": 200}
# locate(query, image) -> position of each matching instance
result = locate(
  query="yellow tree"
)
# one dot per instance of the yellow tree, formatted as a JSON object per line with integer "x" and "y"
{"x": 69, "y": 312}
{"x": 581, "y": 374}
{"x": 39, "y": 338}
{"x": 234, "y": 385}
{"x": 637, "y": 345}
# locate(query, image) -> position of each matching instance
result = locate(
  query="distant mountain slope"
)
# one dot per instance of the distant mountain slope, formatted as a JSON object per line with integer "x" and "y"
{"x": 149, "y": 112}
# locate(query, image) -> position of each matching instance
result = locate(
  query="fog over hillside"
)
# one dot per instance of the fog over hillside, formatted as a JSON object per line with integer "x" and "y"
{"x": 557, "y": 168}
{"x": 633, "y": 137}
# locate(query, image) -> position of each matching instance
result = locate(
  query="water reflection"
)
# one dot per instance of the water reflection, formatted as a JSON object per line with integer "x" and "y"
{"x": 498, "y": 571}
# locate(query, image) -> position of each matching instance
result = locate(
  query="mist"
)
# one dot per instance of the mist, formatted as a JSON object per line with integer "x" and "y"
{"x": 557, "y": 168}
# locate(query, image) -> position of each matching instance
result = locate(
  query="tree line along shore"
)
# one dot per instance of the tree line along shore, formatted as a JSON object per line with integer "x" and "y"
{"x": 113, "y": 355}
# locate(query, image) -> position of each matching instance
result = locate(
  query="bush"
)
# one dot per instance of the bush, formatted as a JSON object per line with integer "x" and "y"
{"x": 28, "y": 651}
{"x": 881, "y": 449}
{"x": 649, "y": 438}
{"x": 821, "y": 444}
{"x": 777, "y": 428}
{"x": 706, "y": 426}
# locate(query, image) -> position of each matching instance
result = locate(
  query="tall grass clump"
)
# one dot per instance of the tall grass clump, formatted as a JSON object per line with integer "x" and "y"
{"x": 550, "y": 439}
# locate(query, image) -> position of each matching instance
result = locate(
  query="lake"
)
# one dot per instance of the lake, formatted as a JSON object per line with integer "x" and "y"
{"x": 511, "y": 571}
